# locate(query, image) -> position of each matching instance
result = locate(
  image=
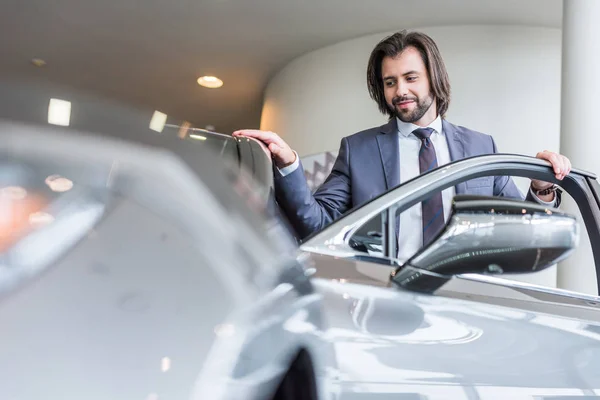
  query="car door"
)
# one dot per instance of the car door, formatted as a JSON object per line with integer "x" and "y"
{"x": 393, "y": 341}
{"x": 374, "y": 223}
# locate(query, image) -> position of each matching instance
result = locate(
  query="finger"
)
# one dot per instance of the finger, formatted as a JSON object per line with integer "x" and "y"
{"x": 566, "y": 167}
{"x": 556, "y": 163}
{"x": 264, "y": 136}
{"x": 274, "y": 149}
{"x": 548, "y": 156}
{"x": 563, "y": 166}
{"x": 253, "y": 133}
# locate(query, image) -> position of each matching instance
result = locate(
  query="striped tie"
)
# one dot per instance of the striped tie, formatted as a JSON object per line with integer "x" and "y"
{"x": 433, "y": 209}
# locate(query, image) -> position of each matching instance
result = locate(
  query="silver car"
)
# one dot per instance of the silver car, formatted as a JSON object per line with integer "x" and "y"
{"x": 153, "y": 271}
{"x": 443, "y": 324}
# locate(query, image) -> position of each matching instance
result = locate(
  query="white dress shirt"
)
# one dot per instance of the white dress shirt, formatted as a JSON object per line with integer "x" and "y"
{"x": 290, "y": 168}
{"x": 411, "y": 223}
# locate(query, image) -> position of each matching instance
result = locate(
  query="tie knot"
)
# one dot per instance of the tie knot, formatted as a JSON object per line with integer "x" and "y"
{"x": 423, "y": 133}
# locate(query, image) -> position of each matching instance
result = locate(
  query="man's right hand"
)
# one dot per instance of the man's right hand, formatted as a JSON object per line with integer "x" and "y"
{"x": 281, "y": 153}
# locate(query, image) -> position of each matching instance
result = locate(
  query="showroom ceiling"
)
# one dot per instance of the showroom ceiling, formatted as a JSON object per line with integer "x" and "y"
{"x": 150, "y": 53}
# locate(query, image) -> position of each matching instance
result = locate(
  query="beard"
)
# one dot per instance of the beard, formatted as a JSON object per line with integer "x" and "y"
{"x": 411, "y": 116}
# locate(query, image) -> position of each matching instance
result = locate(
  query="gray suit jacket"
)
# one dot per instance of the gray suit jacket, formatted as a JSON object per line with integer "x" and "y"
{"x": 367, "y": 165}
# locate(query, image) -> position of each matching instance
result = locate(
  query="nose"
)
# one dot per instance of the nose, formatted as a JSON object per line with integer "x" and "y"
{"x": 401, "y": 89}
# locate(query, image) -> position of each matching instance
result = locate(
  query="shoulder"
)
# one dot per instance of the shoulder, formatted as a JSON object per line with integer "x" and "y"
{"x": 366, "y": 135}
{"x": 466, "y": 134}
{"x": 464, "y": 131}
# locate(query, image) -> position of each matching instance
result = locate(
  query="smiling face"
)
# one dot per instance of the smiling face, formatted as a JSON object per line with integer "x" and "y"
{"x": 407, "y": 88}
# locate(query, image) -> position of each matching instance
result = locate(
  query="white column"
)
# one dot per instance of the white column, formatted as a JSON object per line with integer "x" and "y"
{"x": 580, "y": 119}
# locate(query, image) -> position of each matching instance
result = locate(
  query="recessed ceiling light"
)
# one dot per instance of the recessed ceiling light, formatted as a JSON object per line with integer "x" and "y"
{"x": 211, "y": 82}
{"x": 59, "y": 112}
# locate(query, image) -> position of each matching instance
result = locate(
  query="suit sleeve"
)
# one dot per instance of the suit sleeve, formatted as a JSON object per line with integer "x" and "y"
{"x": 504, "y": 186}
{"x": 309, "y": 213}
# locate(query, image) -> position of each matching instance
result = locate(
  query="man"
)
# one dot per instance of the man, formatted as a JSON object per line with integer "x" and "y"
{"x": 407, "y": 78}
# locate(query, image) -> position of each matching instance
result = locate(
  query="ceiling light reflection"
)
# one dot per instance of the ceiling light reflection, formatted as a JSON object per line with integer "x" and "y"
{"x": 58, "y": 183}
{"x": 38, "y": 62}
{"x": 59, "y": 112}
{"x": 157, "y": 123}
{"x": 197, "y": 137}
{"x": 13, "y": 192}
{"x": 40, "y": 218}
{"x": 165, "y": 364}
{"x": 225, "y": 330}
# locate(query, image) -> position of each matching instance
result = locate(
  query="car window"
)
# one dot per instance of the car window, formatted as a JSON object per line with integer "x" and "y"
{"x": 247, "y": 158}
{"x": 262, "y": 164}
{"x": 223, "y": 145}
{"x": 369, "y": 237}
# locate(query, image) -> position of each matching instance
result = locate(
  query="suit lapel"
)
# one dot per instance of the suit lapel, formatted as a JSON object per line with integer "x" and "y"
{"x": 389, "y": 149}
{"x": 456, "y": 148}
{"x": 455, "y": 144}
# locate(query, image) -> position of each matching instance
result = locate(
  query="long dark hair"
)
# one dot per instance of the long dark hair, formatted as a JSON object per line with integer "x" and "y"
{"x": 394, "y": 45}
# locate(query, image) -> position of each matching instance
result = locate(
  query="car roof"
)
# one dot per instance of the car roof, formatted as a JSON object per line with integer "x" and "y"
{"x": 193, "y": 174}
{"x": 150, "y": 153}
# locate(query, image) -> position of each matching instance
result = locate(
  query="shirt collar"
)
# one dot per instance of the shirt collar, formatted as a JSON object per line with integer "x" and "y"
{"x": 406, "y": 128}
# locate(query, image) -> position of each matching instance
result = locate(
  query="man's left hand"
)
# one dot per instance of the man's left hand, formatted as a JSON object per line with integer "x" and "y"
{"x": 560, "y": 164}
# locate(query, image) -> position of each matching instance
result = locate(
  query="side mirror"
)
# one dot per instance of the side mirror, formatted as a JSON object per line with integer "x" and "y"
{"x": 490, "y": 235}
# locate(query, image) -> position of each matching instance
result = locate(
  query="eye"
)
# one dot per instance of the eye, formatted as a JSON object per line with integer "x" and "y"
{"x": 411, "y": 78}
{"x": 389, "y": 83}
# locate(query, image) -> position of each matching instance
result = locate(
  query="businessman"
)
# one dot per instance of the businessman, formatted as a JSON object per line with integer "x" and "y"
{"x": 407, "y": 78}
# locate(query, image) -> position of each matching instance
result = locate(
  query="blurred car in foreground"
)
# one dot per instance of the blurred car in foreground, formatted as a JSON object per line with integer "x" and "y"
{"x": 144, "y": 272}
{"x": 153, "y": 272}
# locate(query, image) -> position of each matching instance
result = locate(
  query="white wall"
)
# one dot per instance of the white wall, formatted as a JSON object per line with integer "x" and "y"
{"x": 579, "y": 116}
{"x": 505, "y": 82}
